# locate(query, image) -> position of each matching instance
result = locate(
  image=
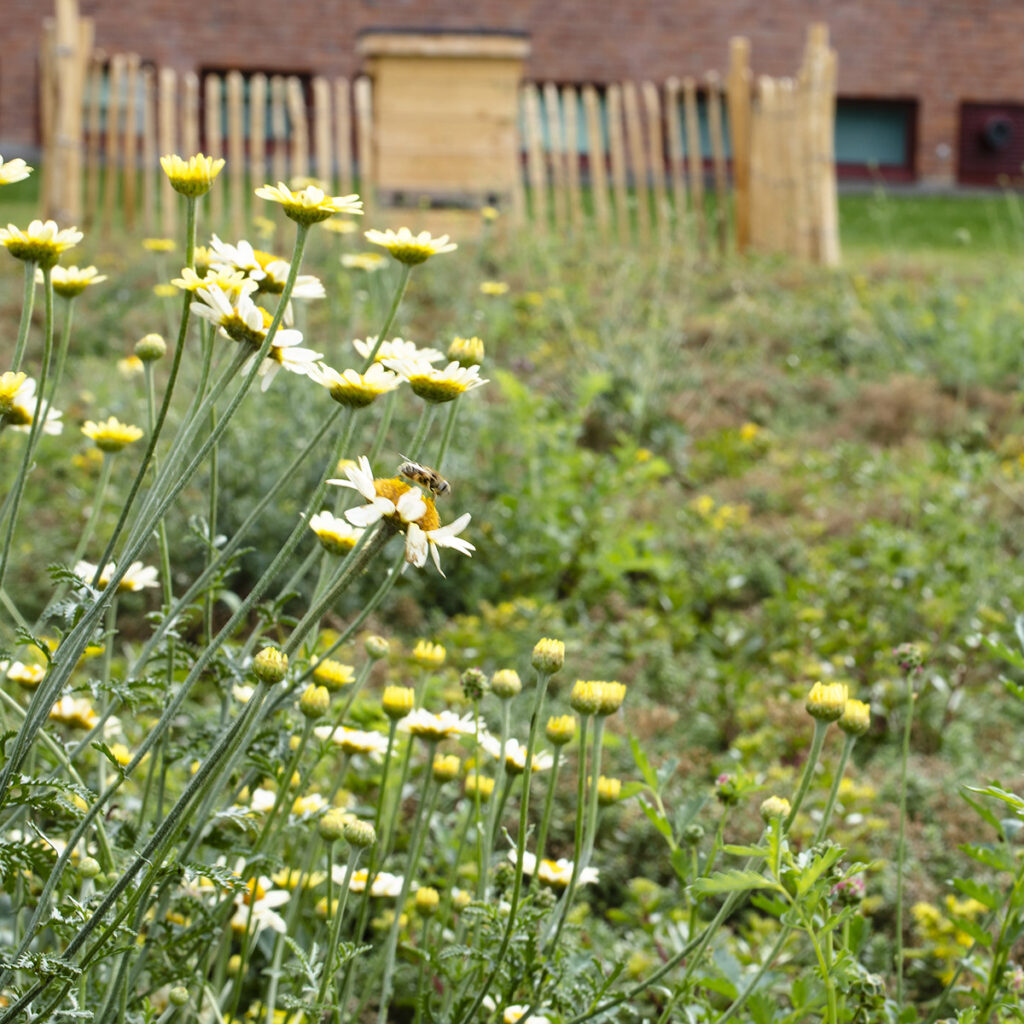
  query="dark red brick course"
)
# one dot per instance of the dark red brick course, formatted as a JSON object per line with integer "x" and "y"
{"x": 939, "y": 51}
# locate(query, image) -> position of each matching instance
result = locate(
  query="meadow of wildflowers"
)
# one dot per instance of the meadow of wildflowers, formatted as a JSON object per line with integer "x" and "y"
{"x": 238, "y": 780}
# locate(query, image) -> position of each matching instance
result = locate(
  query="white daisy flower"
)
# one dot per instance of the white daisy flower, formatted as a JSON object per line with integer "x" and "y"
{"x": 335, "y": 534}
{"x": 285, "y": 353}
{"x": 262, "y": 800}
{"x": 138, "y": 577}
{"x": 354, "y": 741}
{"x": 396, "y": 348}
{"x": 433, "y": 384}
{"x": 408, "y": 507}
{"x": 554, "y": 872}
{"x": 384, "y": 883}
{"x": 419, "y": 542}
{"x": 254, "y": 907}
{"x": 515, "y": 754}
{"x": 22, "y": 407}
{"x": 354, "y": 389}
{"x": 438, "y": 726}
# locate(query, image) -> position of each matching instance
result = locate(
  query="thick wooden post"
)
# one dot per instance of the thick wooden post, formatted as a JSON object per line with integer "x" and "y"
{"x": 656, "y": 159}
{"x": 131, "y": 138}
{"x": 638, "y": 160}
{"x": 714, "y": 95}
{"x": 167, "y": 145}
{"x": 695, "y": 163}
{"x": 214, "y": 144}
{"x": 322, "y": 133}
{"x": 535, "y": 163}
{"x": 343, "y": 134}
{"x": 738, "y": 100}
{"x": 617, "y": 151}
{"x": 596, "y": 160}
{"x": 300, "y": 129}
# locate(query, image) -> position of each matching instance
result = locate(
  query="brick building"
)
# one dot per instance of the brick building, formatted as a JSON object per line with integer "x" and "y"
{"x": 930, "y": 90}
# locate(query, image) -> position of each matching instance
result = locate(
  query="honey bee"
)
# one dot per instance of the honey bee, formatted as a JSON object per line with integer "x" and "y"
{"x": 425, "y": 477}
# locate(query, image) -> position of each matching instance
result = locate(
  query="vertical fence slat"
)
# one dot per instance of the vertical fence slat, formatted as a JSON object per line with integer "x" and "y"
{"x": 214, "y": 142}
{"x": 656, "y": 157}
{"x": 638, "y": 160}
{"x": 714, "y": 95}
{"x": 617, "y": 151}
{"x": 76, "y": 119}
{"x": 830, "y": 252}
{"x": 556, "y": 153}
{"x": 343, "y": 134}
{"x": 148, "y": 150}
{"x": 47, "y": 114}
{"x": 738, "y": 101}
{"x": 300, "y": 128}
{"x": 278, "y": 130}
{"x": 596, "y": 160}
{"x": 695, "y": 161}
{"x": 322, "y": 133}
{"x": 677, "y": 167}
{"x": 65, "y": 138}
{"x": 93, "y": 119}
{"x": 190, "y": 114}
{"x": 363, "y": 97}
{"x": 535, "y": 164}
{"x": 257, "y": 130}
{"x": 238, "y": 206}
{"x": 115, "y": 80}
{"x": 131, "y": 137}
{"x": 570, "y": 108}
{"x": 166, "y": 119}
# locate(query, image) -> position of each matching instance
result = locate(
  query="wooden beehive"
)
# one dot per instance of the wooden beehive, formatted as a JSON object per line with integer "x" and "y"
{"x": 445, "y": 117}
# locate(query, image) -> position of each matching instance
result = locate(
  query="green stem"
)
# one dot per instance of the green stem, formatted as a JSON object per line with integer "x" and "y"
{"x": 901, "y": 855}
{"x": 337, "y": 913}
{"x": 833, "y": 793}
{"x": 817, "y": 741}
{"x": 62, "y": 351}
{"x": 403, "y": 280}
{"x": 28, "y": 300}
{"x": 446, "y": 436}
{"x": 549, "y": 801}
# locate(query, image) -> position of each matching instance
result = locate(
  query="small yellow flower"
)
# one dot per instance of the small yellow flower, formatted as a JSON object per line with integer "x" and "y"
{"x": 192, "y": 177}
{"x": 466, "y": 351}
{"x": 446, "y": 767}
{"x": 227, "y": 278}
{"x": 310, "y": 205}
{"x": 775, "y": 807}
{"x": 315, "y": 702}
{"x": 165, "y": 290}
{"x": 336, "y": 535}
{"x": 827, "y": 701}
{"x": 505, "y": 684}
{"x": 493, "y": 287}
{"x": 489, "y": 213}
{"x": 71, "y": 281}
{"x": 158, "y": 244}
{"x": 13, "y": 170}
{"x": 560, "y": 729}
{"x": 397, "y": 701}
{"x": 608, "y": 790}
{"x": 368, "y": 261}
{"x": 856, "y": 718}
{"x": 749, "y": 431}
{"x": 548, "y": 655}
{"x": 428, "y": 901}
{"x": 122, "y": 755}
{"x": 482, "y": 784}
{"x": 41, "y": 242}
{"x": 428, "y": 655}
{"x": 111, "y": 435}
{"x": 340, "y": 226}
{"x": 333, "y": 674}
{"x": 270, "y": 665}
{"x": 10, "y": 384}
{"x": 408, "y": 248}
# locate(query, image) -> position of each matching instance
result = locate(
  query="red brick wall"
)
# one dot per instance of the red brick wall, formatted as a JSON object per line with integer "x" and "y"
{"x": 940, "y": 51}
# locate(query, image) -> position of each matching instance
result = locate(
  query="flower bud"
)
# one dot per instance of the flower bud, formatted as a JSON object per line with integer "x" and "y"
{"x": 827, "y": 701}
{"x": 358, "y": 833}
{"x": 466, "y": 351}
{"x": 612, "y": 696}
{"x": 506, "y": 684}
{"x": 332, "y": 825}
{"x": 315, "y": 702}
{"x": 270, "y": 665}
{"x": 397, "y": 701}
{"x": 150, "y": 348}
{"x": 608, "y": 790}
{"x": 482, "y": 784}
{"x": 548, "y": 655}
{"x": 333, "y": 674}
{"x": 88, "y": 867}
{"x": 693, "y": 834}
{"x": 474, "y": 684}
{"x": 446, "y": 767}
{"x": 428, "y": 655}
{"x": 560, "y": 729}
{"x": 909, "y": 657}
{"x": 856, "y": 718}
{"x": 178, "y": 996}
{"x": 726, "y": 790}
{"x": 377, "y": 647}
{"x": 585, "y": 698}
{"x": 428, "y": 901}
{"x": 234, "y": 964}
{"x": 775, "y": 807}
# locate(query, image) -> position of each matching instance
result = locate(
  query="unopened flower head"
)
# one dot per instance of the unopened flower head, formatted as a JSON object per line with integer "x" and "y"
{"x": 436, "y": 385}
{"x": 909, "y": 657}
{"x": 333, "y": 674}
{"x": 191, "y": 177}
{"x": 608, "y": 790}
{"x": 377, "y": 647}
{"x": 310, "y": 204}
{"x": 315, "y": 701}
{"x": 466, "y": 351}
{"x": 111, "y": 435}
{"x": 42, "y": 242}
{"x": 151, "y": 347}
{"x": 270, "y": 665}
{"x": 360, "y": 834}
{"x": 585, "y": 699}
{"x": 446, "y": 767}
{"x": 408, "y": 248}
{"x": 71, "y": 281}
{"x": 856, "y": 718}
{"x": 331, "y": 826}
{"x": 355, "y": 390}
{"x": 548, "y": 655}
{"x": 13, "y": 170}
{"x": 335, "y": 534}
{"x": 428, "y": 901}
{"x": 474, "y": 684}
{"x": 479, "y": 784}
{"x": 827, "y": 701}
{"x": 428, "y": 655}
{"x": 774, "y": 808}
{"x": 505, "y": 683}
{"x": 398, "y": 701}
{"x": 560, "y": 729}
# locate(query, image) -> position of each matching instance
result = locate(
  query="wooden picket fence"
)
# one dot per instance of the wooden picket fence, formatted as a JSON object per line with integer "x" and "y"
{"x": 625, "y": 162}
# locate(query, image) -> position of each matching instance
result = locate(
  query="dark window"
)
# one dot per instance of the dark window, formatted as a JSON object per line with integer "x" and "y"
{"x": 875, "y": 138}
